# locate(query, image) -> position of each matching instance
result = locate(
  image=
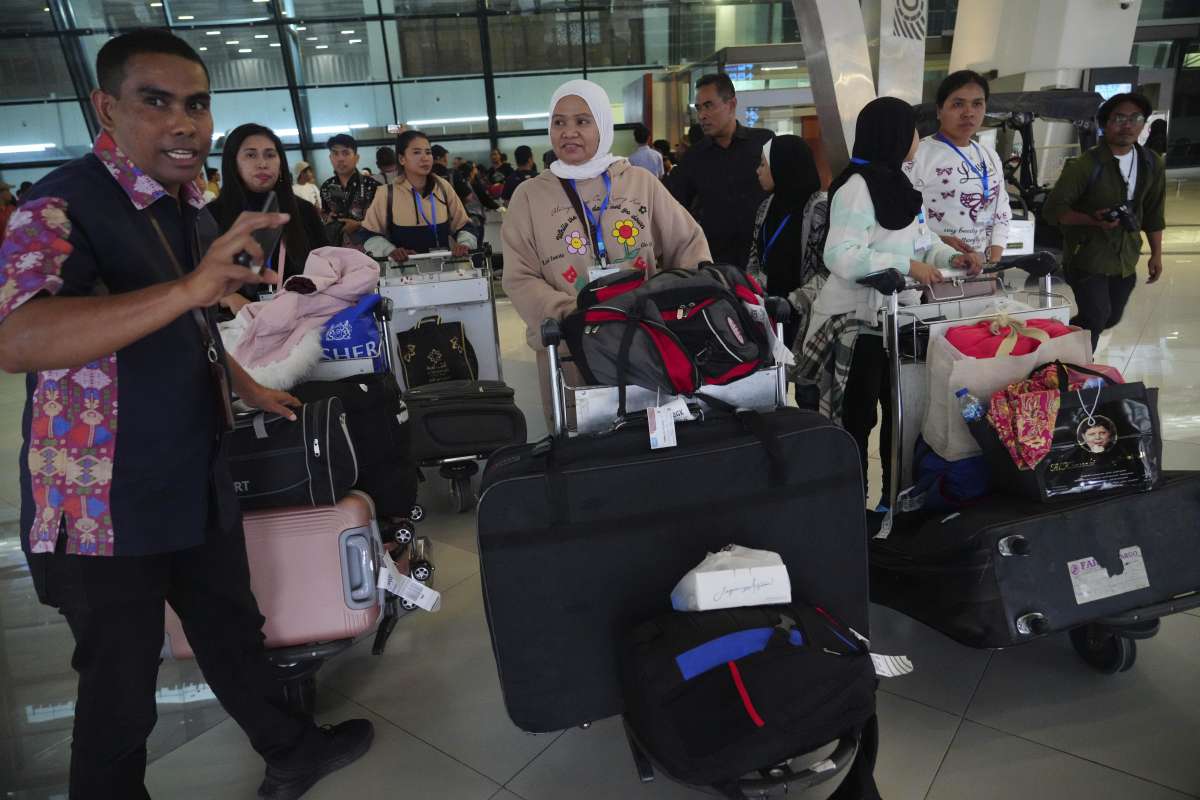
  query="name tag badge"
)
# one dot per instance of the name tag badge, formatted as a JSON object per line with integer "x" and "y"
{"x": 596, "y": 273}
{"x": 923, "y": 241}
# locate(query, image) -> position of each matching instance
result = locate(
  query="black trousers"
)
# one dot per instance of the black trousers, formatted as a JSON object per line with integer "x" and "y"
{"x": 867, "y": 388}
{"x": 114, "y": 607}
{"x": 1101, "y": 300}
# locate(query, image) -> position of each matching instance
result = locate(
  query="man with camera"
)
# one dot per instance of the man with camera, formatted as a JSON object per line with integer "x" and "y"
{"x": 1103, "y": 201}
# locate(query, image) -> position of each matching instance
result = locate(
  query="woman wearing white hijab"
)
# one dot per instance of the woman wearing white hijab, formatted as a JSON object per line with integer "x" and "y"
{"x": 590, "y": 214}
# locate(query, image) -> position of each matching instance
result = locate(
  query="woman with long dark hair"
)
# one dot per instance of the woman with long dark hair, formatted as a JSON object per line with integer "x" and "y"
{"x": 254, "y": 164}
{"x": 425, "y": 212}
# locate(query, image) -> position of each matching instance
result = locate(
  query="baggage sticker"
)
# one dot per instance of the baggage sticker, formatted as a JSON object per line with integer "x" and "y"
{"x": 662, "y": 428}
{"x": 404, "y": 587}
{"x": 1091, "y": 581}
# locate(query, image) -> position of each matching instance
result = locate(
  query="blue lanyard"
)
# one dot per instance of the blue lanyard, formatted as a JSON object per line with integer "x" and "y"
{"x": 433, "y": 207}
{"x": 862, "y": 161}
{"x": 594, "y": 221}
{"x": 768, "y": 245}
{"x": 983, "y": 176}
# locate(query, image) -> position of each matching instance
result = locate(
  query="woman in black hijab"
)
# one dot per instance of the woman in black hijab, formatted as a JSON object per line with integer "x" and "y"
{"x": 789, "y": 171}
{"x": 876, "y": 222}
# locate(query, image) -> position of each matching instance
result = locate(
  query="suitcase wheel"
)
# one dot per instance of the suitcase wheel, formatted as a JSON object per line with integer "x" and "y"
{"x": 407, "y": 605}
{"x": 417, "y": 514}
{"x": 421, "y": 571}
{"x": 1103, "y": 649}
{"x": 462, "y": 495}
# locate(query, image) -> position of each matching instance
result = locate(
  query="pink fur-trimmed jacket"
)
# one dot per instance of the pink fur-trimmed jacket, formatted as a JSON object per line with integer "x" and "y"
{"x": 334, "y": 279}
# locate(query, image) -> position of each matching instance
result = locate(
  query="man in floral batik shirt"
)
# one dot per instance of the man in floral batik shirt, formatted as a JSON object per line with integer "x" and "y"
{"x": 128, "y": 504}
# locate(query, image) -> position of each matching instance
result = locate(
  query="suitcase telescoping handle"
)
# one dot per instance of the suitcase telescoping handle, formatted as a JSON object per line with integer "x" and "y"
{"x": 551, "y": 338}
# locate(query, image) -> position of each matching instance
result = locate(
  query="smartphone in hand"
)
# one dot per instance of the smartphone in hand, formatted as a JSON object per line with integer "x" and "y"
{"x": 268, "y": 238}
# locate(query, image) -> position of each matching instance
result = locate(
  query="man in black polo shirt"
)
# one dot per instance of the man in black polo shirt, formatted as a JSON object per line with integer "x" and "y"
{"x": 126, "y": 498}
{"x": 717, "y": 180}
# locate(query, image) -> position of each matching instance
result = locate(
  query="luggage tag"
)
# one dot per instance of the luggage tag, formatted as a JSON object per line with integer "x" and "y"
{"x": 406, "y": 588}
{"x": 891, "y": 666}
{"x": 661, "y": 421}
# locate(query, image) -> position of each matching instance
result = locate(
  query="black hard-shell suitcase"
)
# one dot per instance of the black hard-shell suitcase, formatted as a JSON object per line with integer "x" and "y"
{"x": 582, "y": 539}
{"x": 276, "y": 463}
{"x": 1007, "y": 570}
{"x": 452, "y": 419}
{"x": 379, "y": 427}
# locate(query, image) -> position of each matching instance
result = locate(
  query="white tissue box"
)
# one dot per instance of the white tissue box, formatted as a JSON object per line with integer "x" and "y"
{"x": 734, "y": 577}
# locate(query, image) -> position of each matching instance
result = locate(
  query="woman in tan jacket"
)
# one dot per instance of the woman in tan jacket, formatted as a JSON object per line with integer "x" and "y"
{"x": 591, "y": 214}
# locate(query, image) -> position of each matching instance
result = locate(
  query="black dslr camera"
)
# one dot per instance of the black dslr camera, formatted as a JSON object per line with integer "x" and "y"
{"x": 1125, "y": 215}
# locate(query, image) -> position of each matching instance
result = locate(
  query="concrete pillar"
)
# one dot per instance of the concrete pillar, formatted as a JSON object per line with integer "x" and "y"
{"x": 896, "y": 37}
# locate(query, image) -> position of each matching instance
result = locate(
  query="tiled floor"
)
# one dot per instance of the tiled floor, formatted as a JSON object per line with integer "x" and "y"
{"x": 1030, "y": 723}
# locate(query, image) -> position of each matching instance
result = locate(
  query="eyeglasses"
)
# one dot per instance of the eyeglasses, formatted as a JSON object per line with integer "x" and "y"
{"x": 1128, "y": 119}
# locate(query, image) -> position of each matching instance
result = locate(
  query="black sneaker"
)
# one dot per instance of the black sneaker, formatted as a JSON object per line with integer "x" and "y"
{"x": 326, "y": 750}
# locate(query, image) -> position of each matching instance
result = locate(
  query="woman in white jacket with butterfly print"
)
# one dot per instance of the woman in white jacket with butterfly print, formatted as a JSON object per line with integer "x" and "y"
{"x": 961, "y": 180}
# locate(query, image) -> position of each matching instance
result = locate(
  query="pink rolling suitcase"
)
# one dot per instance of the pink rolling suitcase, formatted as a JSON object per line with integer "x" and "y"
{"x": 313, "y": 571}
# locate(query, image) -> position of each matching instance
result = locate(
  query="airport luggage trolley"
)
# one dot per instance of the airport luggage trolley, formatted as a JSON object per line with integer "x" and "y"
{"x": 456, "y": 290}
{"x": 596, "y": 407}
{"x": 1107, "y": 642}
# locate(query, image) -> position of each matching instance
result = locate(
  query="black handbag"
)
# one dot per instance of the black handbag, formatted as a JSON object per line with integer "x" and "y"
{"x": 277, "y": 463}
{"x": 382, "y": 437}
{"x": 434, "y": 351}
{"x": 714, "y": 695}
{"x": 1106, "y": 437}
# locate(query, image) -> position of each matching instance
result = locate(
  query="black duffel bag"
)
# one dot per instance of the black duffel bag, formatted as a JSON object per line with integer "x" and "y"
{"x": 382, "y": 437}
{"x": 463, "y": 418}
{"x": 434, "y": 351}
{"x": 277, "y": 463}
{"x": 714, "y": 695}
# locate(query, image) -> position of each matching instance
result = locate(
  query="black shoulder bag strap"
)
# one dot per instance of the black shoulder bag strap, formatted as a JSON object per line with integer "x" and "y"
{"x": 391, "y": 194}
{"x": 755, "y": 423}
{"x": 212, "y": 353}
{"x": 577, "y": 204}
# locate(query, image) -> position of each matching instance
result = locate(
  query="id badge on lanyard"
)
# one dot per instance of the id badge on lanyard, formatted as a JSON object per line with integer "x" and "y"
{"x": 602, "y": 268}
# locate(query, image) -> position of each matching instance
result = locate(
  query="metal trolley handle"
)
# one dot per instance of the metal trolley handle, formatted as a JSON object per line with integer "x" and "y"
{"x": 551, "y": 338}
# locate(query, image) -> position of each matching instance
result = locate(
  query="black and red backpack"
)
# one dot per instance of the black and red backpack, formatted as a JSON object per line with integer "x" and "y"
{"x": 675, "y": 332}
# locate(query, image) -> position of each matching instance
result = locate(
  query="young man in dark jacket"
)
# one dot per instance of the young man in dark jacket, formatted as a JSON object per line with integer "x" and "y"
{"x": 1103, "y": 201}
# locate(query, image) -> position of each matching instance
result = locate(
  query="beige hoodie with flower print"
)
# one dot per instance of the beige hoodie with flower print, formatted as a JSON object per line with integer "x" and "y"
{"x": 548, "y": 252}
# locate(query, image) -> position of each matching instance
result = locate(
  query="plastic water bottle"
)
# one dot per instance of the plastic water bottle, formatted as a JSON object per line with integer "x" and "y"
{"x": 972, "y": 409}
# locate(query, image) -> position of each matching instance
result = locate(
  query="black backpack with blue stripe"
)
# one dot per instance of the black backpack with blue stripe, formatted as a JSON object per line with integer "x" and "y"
{"x": 714, "y": 696}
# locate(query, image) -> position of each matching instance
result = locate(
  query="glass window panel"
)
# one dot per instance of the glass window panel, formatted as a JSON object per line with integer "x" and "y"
{"x": 17, "y": 176}
{"x": 33, "y": 69}
{"x": 706, "y": 28}
{"x": 428, "y": 6}
{"x": 42, "y": 132}
{"x": 523, "y": 103}
{"x": 340, "y": 52}
{"x": 615, "y": 83}
{"x": 315, "y": 9}
{"x": 628, "y": 36}
{"x": 443, "y": 108}
{"x": 435, "y": 47}
{"x": 240, "y": 58}
{"x": 191, "y": 12}
{"x": 533, "y": 6}
{"x": 534, "y": 42}
{"x": 269, "y": 107}
{"x": 118, "y": 13}
{"x": 25, "y": 15}
{"x": 1151, "y": 55}
{"x": 362, "y": 111}
{"x": 1168, "y": 9}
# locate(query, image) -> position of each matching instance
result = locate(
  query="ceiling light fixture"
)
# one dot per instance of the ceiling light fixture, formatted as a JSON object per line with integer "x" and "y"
{"x": 348, "y": 33}
{"x": 300, "y": 28}
{"x": 262, "y": 36}
{"x": 202, "y": 49}
{"x": 246, "y": 50}
{"x": 232, "y": 41}
{"x": 322, "y": 47}
{"x": 311, "y": 38}
{"x": 355, "y": 41}
{"x": 778, "y": 69}
{"x": 212, "y": 33}
{"x": 186, "y": 17}
{"x": 274, "y": 44}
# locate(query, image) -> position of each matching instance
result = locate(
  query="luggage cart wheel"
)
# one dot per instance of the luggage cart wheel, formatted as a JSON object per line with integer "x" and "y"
{"x": 421, "y": 571}
{"x": 404, "y": 534}
{"x": 1103, "y": 649}
{"x": 417, "y": 514}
